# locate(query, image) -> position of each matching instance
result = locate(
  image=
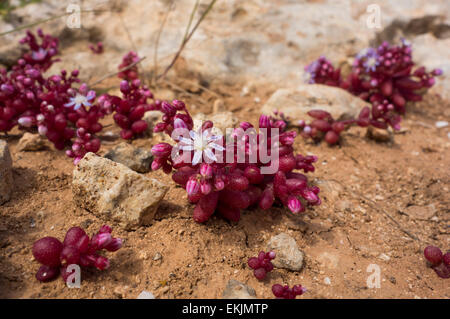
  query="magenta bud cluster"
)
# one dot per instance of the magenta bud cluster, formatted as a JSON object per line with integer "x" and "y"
{"x": 76, "y": 249}
{"x": 439, "y": 262}
{"x": 386, "y": 77}
{"x": 131, "y": 73}
{"x": 262, "y": 264}
{"x": 323, "y": 127}
{"x": 232, "y": 185}
{"x": 97, "y": 48}
{"x": 284, "y": 292}
{"x": 130, "y": 108}
{"x": 67, "y": 116}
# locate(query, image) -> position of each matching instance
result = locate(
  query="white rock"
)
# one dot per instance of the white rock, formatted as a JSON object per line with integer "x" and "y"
{"x": 31, "y": 142}
{"x": 296, "y": 103}
{"x": 114, "y": 192}
{"x": 221, "y": 120}
{"x": 441, "y": 124}
{"x": 145, "y": 295}
{"x": 288, "y": 255}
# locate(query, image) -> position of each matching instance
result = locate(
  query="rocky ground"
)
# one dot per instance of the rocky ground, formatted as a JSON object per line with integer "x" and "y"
{"x": 384, "y": 198}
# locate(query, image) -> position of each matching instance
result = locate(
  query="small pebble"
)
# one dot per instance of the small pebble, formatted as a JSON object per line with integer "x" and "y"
{"x": 441, "y": 124}
{"x": 327, "y": 281}
{"x": 384, "y": 257}
{"x": 146, "y": 295}
{"x": 157, "y": 256}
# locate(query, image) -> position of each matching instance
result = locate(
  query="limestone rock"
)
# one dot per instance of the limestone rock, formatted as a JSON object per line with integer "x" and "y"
{"x": 296, "y": 103}
{"x": 31, "y": 142}
{"x": 137, "y": 159}
{"x": 221, "y": 120}
{"x": 288, "y": 254}
{"x": 379, "y": 135}
{"x": 114, "y": 192}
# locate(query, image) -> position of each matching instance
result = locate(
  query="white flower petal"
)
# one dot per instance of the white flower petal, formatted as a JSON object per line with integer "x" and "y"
{"x": 186, "y": 147}
{"x": 209, "y": 154}
{"x": 193, "y": 135}
{"x": 214, "y": 138}
{"x": 197, "y": 157}
{"x": 71, "y": 103}
{"x": 186, "y": 141}
{"x": 216, "y": 146}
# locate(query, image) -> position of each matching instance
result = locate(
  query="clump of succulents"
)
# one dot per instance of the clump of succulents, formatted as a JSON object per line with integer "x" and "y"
{"x": 76, "y": 249}
{"x": 262, "y": 264}
{"x": 385, "y": 76}
{"x": 439, "y": 262}
{"x": 227, "y": 175}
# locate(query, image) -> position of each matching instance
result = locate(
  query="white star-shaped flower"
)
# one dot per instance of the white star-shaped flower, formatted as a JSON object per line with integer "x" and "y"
{"x": 201, "y": 143}
{"x": 81, "y": 99}
{"x": 39, "y": 55}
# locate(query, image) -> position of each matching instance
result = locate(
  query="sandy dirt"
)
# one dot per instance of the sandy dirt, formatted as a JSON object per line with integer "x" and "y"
{"x": 366, "y": 188}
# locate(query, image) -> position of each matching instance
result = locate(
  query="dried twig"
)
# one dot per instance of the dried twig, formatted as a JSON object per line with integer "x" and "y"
{"x": 115, "y": 73}
{"x": 191, "y": 18}
{"x": 158, "y": 36}
{"x": 30, "y": 25}
{"x": 186, "y": 40}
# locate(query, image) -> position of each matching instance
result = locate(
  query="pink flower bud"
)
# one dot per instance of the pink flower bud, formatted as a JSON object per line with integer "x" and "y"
{"x": 101, "y": 240}
{"x": 161, "y": 150}
{"x": 310, "y": 196}
{"x": 179, "y": 105}
{"x": 156, "y": 165}
{"x": 101, "y": 263}
{"x": 206, "y": 170}
{"x": 294, "y": 204}
{"x": 205, "y": 187}
{"x": 105, "y": 229}
{"x": 219, "y": 184}
{"x": 245, "y": 125}
{"x": 179, "y": 124}
{"x": 192, "y": 187}
{"x": 114, "y": 245}
{"x": 124, "y": 86}
{"x": 264, "y": 121}
{"x": 159, "y": 127}
{"x": 168, "y": 109}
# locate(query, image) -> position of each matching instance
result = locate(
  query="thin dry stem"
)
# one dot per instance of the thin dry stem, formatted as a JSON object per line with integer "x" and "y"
{"x": 158, "y": 36}
{"x": 115, "y": 73}
{"x": 186, "y": 40}
{"x": 30, "y": 25}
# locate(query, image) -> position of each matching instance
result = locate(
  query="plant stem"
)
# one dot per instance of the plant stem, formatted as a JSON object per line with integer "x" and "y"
{"x": 186, "y": 40}
{"x": 115, "y": 73}
{"x": 30, "y": 25}
{"x": 191, "y": 18}
{"x": 158, "y": 36}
